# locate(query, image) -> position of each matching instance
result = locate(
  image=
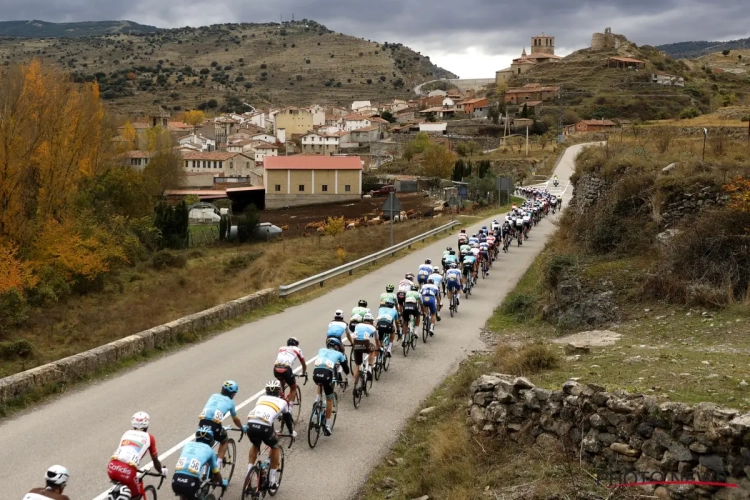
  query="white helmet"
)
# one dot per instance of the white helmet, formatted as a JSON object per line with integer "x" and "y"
{"x": 368, "y": 317}
{"x": 140, "y": 420}
{"x": 57, "y": 475}
{"x": 119, "y": 492}
{"x": 273, "y": 387}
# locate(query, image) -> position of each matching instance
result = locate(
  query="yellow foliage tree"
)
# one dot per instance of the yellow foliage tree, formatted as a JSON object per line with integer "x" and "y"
{"x": 129, "y": 133}
{"x": 739, "y": 190}
{"x": 194, "y": 117}
{"x": 334, "y": 226}
{"x": 438, "y": 162}
{"x": 14, "y": 273}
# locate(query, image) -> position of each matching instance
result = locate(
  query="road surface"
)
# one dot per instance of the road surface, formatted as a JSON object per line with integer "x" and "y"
{"x": 81, "y": 429}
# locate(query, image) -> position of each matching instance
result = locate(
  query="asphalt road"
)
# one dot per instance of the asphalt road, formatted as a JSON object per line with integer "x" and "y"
{"x": 81, "y": 429}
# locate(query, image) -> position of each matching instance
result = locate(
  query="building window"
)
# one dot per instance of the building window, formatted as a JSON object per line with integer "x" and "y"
{"x": 301, "y": 187}
{"x": 231, "y": 164}
{"x": 277, "y": 187}
{"x": 325, "y": 187}
{"x": 347, "y": 188}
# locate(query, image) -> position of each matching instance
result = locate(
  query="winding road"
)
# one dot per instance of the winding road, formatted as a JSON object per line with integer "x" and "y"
{"x": 81, "y": 428}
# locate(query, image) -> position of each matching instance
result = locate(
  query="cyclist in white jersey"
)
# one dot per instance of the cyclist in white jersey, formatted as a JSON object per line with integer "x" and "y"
{"x": 283, "y": 368}
{"x": 56, "y": 479}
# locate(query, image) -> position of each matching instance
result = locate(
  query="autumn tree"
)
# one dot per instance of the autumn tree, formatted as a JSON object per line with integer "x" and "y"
{"x": 164, "y": 169}
{"x": 739, "y": 190}
{"x": 194, "y": 117}
{"x": 334, "y": 226}
{"x": 438, "y": 162}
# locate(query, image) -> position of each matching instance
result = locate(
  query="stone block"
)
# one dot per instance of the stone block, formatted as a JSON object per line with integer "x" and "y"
{"x": 148, "y": 339}
{"x": 129, "y": 346}
{"x": 703, "y": 416}
{"x": 46, "y": 374}
{"x": 103, "y": 355}
{"x": 18, "y": 384}
{"x": 163, "y": 336}
{"x": 73, "y": 367}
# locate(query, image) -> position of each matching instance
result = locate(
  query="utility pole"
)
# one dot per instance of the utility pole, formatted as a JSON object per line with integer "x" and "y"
{"x": 705, "y": 136}
{"x": 560, "y": 124}
{"x": 527, "y": 141}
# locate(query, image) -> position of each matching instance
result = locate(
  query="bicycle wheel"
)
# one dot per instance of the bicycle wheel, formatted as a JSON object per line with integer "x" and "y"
{"x": 357, "y": 389}
{"x": 227, "y": 467}
{"x": 335, "y": 409}
{"x": 313, "y": 426}
{"x": 425, "y": 329}
{"x": 150, "y": 493}
{"x": 406, "y": 343}
{"x": 297, "y": 405}
{"x": 414, "y": 340}
{"x": 453, "y": 304}
{"x": 386, "y": 358}
{"x": 279, "y": 474}
{"x": 378, "y": 368}
{"x": 251, "y": 486}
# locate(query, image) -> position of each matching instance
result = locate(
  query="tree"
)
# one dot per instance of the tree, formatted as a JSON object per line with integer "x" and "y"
{"x": 334, "y": 226}
{"x": 494, "y": 114}
{"x": 525, "y": 111}
{"x": 387, "y": 115}
{"x": 194, "y": 117}
{"x": 422, "y": 141}
{"x": 479, "y": 187}
{"x": 726, "y": 52}
{"x": 570, "y": 117}
{"x": 438, "y": 162}
{"x": 173, "y": 222}
{"x": 129, "y": 133}
{"x": 473, "y": 147}
{"x": 462, "y": 149}
{"x": 252, "y": 220}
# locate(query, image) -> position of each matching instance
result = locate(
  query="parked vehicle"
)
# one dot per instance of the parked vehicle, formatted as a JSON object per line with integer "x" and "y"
{"x": 266, "y": 230}
{"x": 383, "y": 191}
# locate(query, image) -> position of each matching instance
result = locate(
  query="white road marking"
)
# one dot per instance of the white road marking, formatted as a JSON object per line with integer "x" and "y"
{"x": 185, "y": 441}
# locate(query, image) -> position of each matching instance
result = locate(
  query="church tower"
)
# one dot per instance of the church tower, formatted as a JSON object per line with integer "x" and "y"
{"x": 543, "y": 44}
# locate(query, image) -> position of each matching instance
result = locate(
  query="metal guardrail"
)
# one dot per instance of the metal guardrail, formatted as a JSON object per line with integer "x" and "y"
{"x": 321, "y": 278}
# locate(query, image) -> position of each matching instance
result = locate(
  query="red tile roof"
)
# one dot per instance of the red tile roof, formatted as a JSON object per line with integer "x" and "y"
{"x": 355, "y": 117}
{"x": 627, "y": 60}
{"x": 137, "y": 154}
{"x": 210, "y": 155}
{"x": 301, "y": 162}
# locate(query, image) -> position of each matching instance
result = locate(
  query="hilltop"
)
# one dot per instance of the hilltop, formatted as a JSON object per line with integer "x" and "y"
{"x": 43, "y": 29}
{"x": 692, "y": 50}
{"x": 594, "y": 90}
{"x": 294, "y": 63}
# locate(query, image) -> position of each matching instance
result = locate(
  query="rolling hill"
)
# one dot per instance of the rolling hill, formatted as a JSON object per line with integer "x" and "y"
{"x": 43, "y": 29}
{"x": 294, "y": 63}
{"x": 692, "y": 50}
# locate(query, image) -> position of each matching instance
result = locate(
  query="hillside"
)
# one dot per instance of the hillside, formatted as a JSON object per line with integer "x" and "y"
{"x": 593, "y": 90}
{"x": 296, "y": 63}
{"x": 691, "y": 50}
{"x": 42, "y": 29}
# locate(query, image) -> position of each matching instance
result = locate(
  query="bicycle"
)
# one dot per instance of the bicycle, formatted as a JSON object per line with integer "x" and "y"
{"x": 318, "y": 412}
{"x": 230, "y": 458}
{"x": 484, "y": 268}
{"x": 257, "y": 478}
{"x": 454, "y": 304}
{"x": 361, "y": 381}
{"x": 410, "y": 340}
{"x": 426, "y": 326}
{"x": 296, "y": 407}
{"x": 150, "y": 490}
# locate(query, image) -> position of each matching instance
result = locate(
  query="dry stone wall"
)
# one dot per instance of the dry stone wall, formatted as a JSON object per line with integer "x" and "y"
{"x": 79, "y": 365}
{"x": 628, "y": 438}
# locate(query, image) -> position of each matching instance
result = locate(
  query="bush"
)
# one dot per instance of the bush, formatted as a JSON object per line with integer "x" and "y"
{"x": 13, "y": 309}
{"x": 165, "y": 259}
{"x": 556, "y": 266}
{"x": 519, "y": 305}
{"x": 241, "y": 261}
{"x": 688, "y": 113}
{"x": 532, "y": 359}
{"x": 17, "y": 349}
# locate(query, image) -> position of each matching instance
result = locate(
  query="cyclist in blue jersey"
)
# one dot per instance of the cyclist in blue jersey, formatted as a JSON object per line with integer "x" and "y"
{"x": 451, "y": 257}
{"x": 214, "y": 411}
{"x": 484, "y": 252}
{"x": 453, "y": 281}
{"x": 424, "y": 272}
{"x": 469, "y": 264}
{"x": 474, "y": 239}
{"x": 328, "y": 361}
{"x": 387, "y": 323}
{"x": 337, "y": 329}
{"x": 195, "y": 455}
{"x": 366, "y": 342}
{"x": 430, "y": 300}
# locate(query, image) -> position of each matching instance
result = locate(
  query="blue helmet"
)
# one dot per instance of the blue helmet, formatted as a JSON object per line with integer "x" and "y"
{"x": 204, "y": 435}
{"x": 333, "y": 342}
{"x": 230, "y": 387}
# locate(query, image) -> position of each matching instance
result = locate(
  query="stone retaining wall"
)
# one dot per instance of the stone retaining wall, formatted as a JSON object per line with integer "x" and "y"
{"x": 79, "y": 365}
{"x": 623, "y": 435}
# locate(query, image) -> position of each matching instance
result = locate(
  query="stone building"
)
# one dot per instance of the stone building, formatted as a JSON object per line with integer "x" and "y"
{"x": 607, "y": 40}
{"x": 542, "y": 51}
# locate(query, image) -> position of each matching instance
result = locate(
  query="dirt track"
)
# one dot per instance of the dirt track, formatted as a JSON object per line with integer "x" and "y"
{"x": 298, "y": 217}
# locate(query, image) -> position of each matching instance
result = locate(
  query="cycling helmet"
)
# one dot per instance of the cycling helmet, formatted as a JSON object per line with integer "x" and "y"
{"x": 415, "y": 288}
{"x": 368, "y": 318}
{"x": 389, "y": 288}
{"x": 453, "y": 252}
{"x": 57, "y": 475}
{"x": 454, "y": 265}
{"x": 436, "y": 270}
{"x": 449, "y": 249}
{"x": 464, "y": 252}
{"x": 204, "y": 435}
{"x": 230, "y": 387}
{"x": 428, "y": 261}
{"x": 119, "y": 492}
{"x": 333, "y": 342}
{"x": 389, "y": 303}
{"x": 339, "y": 314}
{"x": 140, "y": 420}
{"x": 273, "y": 388}
{"x": 431, "y": 281}
{"x": 474, "y": 235}
{"x": 409, "y": 276}
{"x": 463, "y": 230}
{"x": 362, "y": 303}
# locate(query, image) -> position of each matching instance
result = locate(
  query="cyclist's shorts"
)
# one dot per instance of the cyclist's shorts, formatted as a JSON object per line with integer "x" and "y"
{"x": 430, "y": 302}
{"x": 400, "y": 297}
{"x": 453, "y": 285}
{"x": 284, "y": 374}
{"x": 220, "y": 434}
{"x": 422, "y": 279}
{"x": 385, "y": 328}
{"x": 362, "y": 347}
{"x": 485, "y": 255}
{"x": 185, "y": 485}
{"x": 324, "y": 377}
{"x": 262, "y": 433}
{"x": 410, "y": 309}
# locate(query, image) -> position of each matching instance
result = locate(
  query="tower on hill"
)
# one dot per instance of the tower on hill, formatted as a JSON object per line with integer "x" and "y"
{"x": 543, "y": 44}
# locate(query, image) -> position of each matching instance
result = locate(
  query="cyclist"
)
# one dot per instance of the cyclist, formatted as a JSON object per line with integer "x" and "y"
{"x": 453, "y": 281}
{"x": 388, "y": 295}
{"x": 194, "y": 456}
{"x": 412, "y": 307}
{"x": 464, "y": 249}
{"x": 365, "y": 341}
{"x": 358, "y": 313}
{"x": 463, "y": 238}
{"x": 430, "y": 302}
{"x": 134, "y": 444}
{"x": 437, "y": 277}
{"x": 495, "y": 225}
{"x": 446, "y": 253}
{"x": 451, "y": 257}
{"x": 469, "y": 264}
{"x": 216, "y": 408}
{"x": 424, "y": 271}
{"x": 283, "y": 368}
{"x": 387, "y": 323}
{"x": 260, "y": 427}
{"x": 474, "y": 239}
{"x": 555, "y": 180}
{"x": 403, "y": 287}
{"x": 56, "y": 479}
{"x": 484, "y": 253}
{"x": 338, "y": 328}
{"x": 329, "y": 360}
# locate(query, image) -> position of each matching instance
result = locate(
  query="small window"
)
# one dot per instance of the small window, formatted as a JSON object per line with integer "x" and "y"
{"x": 347, "y": 187}
{"x": 277, "y": 187}
{"x": 325, "y": 187}
{"x": 301, "y": 187}
{"x": 231, "y": 164}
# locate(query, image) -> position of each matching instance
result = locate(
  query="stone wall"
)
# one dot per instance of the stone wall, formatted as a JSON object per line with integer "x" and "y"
{"x": 626, "y": 437}
{"x": 78, "y": 366}
{"x": 691, "y": 203}
{"x": 586, "y": 191}
{"x": 274, "y": 201}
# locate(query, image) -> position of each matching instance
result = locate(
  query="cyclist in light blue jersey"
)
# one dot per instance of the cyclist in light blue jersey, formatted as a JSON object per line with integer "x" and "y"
{"x": 326, "y": 365}
{"x": 337, "y": 329}
{"x": 214, "y": 411}
{"x": 387, "y": 324}
{"x": 424, "y": 272}
{"x": 195, "y": 455}
{"x": 469, "y": 266}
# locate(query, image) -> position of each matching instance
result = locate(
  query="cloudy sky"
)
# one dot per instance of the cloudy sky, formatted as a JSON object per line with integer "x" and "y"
{"x": 472, "y": 38}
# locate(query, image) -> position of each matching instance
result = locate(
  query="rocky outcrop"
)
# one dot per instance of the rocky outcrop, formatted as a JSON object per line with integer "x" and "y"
{"x": 577, "y": 306}
{"x": 628, "y": 438}
{"x": 685, "y": 204}
{"x": 79, "y": 365}
{"x": 586, "y": 191}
